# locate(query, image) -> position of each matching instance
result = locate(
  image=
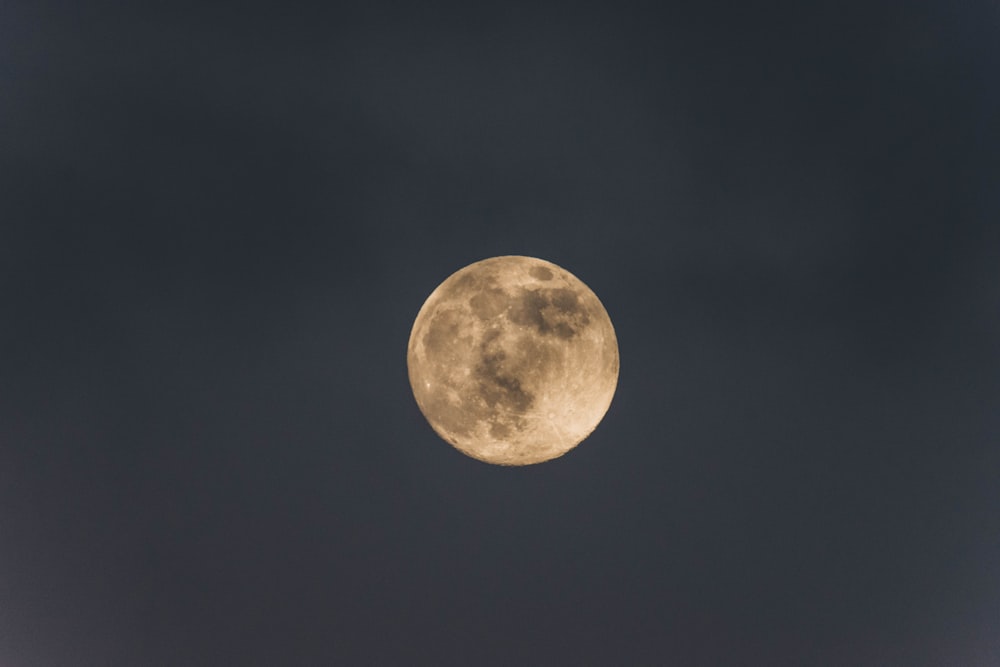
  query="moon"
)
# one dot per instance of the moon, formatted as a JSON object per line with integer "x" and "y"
{"x": 513, "y": 360}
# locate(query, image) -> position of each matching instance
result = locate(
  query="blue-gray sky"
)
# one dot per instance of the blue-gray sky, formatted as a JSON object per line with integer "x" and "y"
{"x": 218, "y": 223}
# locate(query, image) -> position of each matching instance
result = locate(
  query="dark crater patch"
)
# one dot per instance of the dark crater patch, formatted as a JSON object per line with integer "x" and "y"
{"x": 552, "y": 312}
{"x": 489, "y": 303}
{"x": 442, "y": 331}
{"x": 565, "y": 300}
{"x": 470, "y": 281}
{"x": 465, "y": 281}
{"x": 497, "y": 388}
{"x": 499, "y": 430}
{"x": 540, "y": 272}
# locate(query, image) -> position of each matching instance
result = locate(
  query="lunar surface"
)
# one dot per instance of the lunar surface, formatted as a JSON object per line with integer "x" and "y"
{"x": 513, "y": 360}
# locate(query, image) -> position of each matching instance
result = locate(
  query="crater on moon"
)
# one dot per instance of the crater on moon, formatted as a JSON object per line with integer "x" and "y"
{"x": 513, "y": 360}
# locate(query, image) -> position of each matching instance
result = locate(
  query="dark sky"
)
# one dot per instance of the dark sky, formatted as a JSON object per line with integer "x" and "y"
{"x": 217, "y": 225}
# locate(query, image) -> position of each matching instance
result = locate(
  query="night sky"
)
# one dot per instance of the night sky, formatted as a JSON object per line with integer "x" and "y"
{"x": 218, "y": 223}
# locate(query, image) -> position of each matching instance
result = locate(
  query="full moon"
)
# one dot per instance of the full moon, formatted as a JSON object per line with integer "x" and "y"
{"x": 513, "y": 360}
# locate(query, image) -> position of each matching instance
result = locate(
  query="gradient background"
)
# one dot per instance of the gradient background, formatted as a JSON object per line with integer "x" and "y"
{"x": 218, "y": 223}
